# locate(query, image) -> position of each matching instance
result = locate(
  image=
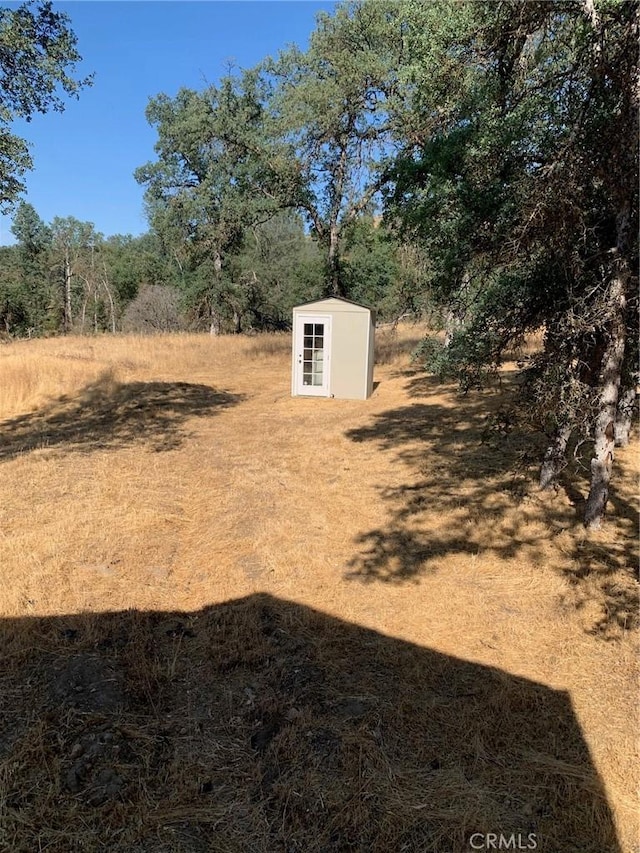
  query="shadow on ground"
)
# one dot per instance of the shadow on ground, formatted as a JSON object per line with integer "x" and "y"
{"x": 472, "y": 488}
{"x": 262, "y": 725}
{"x": 111, "y": 414}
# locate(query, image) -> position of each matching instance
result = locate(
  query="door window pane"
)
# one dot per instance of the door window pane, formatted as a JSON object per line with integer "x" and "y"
{"x": 311, "y": 355}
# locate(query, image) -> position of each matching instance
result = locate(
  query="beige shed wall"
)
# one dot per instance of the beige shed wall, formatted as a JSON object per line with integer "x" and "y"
{"x": 352, "y": 346}
{"x": 349, "y": 355}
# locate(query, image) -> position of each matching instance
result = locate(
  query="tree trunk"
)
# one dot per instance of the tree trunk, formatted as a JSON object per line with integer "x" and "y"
{"x": 624, "y": 416}
{"x": 83, "y": 313}
{"x": 112, "y": 308}
{"x": 334, "y": 266}
{"x": 602, "y": 462}
{"x": 555, "y": 459}
{"x": 457, "y": 311}
{"x": 336, "y": 195}
{"x": 450, "y": 326}
{"x": 67, "y": 319}
{"x": 214, "y": 320}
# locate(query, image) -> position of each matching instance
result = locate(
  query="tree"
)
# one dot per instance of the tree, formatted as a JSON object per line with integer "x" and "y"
{"x": 134, "y": 262}
{"x": 329, "y": 106}
{"x": 33, "y": 247}
{"x": 308, "y": 131}
{"x": 520, "y": 175}
{"x": 382, "y": 271}
{"x": 208, "y": 187}
{"x": 38, "y": 56}
{"x": 14, "y": 312}
{"x": 84, "y": 287}
{"x": 155, "y": 310}
{"x": 279, "y": 266}
{"x": 66, "y": 276}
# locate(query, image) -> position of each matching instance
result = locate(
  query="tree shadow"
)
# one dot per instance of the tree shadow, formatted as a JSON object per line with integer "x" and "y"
{"x": 108, "y": 414}
{"x": 472, "y": 489}
{"x": 263, "y": 725}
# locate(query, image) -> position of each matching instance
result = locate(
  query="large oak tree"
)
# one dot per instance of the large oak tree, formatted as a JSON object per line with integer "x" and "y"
{"x": 331, "y": 106}
{"x": 520, "y": 176}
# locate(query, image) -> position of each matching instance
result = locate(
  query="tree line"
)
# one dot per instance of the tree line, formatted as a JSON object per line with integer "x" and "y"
{"x": 66, "y": 277}
{"x": 477, "y": 161}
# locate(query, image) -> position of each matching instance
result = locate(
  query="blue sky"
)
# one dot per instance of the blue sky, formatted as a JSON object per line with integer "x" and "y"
{"x": 85, "y": 157}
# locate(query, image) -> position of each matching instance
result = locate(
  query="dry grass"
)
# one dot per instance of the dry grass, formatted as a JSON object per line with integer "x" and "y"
{"x": 238, "y": 621}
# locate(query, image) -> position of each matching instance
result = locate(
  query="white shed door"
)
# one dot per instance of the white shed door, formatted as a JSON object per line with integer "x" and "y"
{"x": 312, "y": 353}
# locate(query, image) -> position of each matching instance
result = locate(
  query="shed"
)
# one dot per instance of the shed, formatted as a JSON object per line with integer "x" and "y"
{"x": 333, "y": 349}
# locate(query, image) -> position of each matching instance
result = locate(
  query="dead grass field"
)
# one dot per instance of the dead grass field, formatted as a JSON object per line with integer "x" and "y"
{"x": 236, "y": 621}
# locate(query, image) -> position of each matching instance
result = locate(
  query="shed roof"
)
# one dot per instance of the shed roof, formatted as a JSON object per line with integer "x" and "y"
{"x": 342, "y": 299}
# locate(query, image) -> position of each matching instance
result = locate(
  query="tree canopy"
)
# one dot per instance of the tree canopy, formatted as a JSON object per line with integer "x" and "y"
{"x": 520, "y": 178}
{"x": 330, "y": 106}
{"x": 38, "y": 58}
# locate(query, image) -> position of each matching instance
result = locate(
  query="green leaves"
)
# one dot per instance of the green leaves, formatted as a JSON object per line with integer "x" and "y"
{"x": 38, "y": 56}
{"x": 212, "y": 179}
{"x": 331, "y": 106}
{"x": 520, "y": 181}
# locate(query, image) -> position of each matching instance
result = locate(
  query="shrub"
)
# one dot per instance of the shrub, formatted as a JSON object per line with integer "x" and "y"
{"x": 155, "y": 309}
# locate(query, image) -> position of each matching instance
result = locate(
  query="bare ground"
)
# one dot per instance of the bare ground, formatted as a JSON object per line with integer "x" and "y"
{"x": 233, "y": 620}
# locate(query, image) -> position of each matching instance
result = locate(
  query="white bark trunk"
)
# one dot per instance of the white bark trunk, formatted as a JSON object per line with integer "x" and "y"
{"x": 214, "y": 322}
{"x": 68, "y": 275}
{"x": 603, "y": 455}
{"x": 112, "y": 308}
{"x": 334, "y": 228}
{"x": 83, "y": 314}
{"x": 592, "y": 13}
{"x": 555, "y": 459}
{"x": 457, "y": 312}
{"x": 334, "y": 274}
{"x": 624, "y": 419}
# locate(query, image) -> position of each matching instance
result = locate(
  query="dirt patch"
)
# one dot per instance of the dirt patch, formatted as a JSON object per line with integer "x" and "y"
{"x": 87, "y": 682}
